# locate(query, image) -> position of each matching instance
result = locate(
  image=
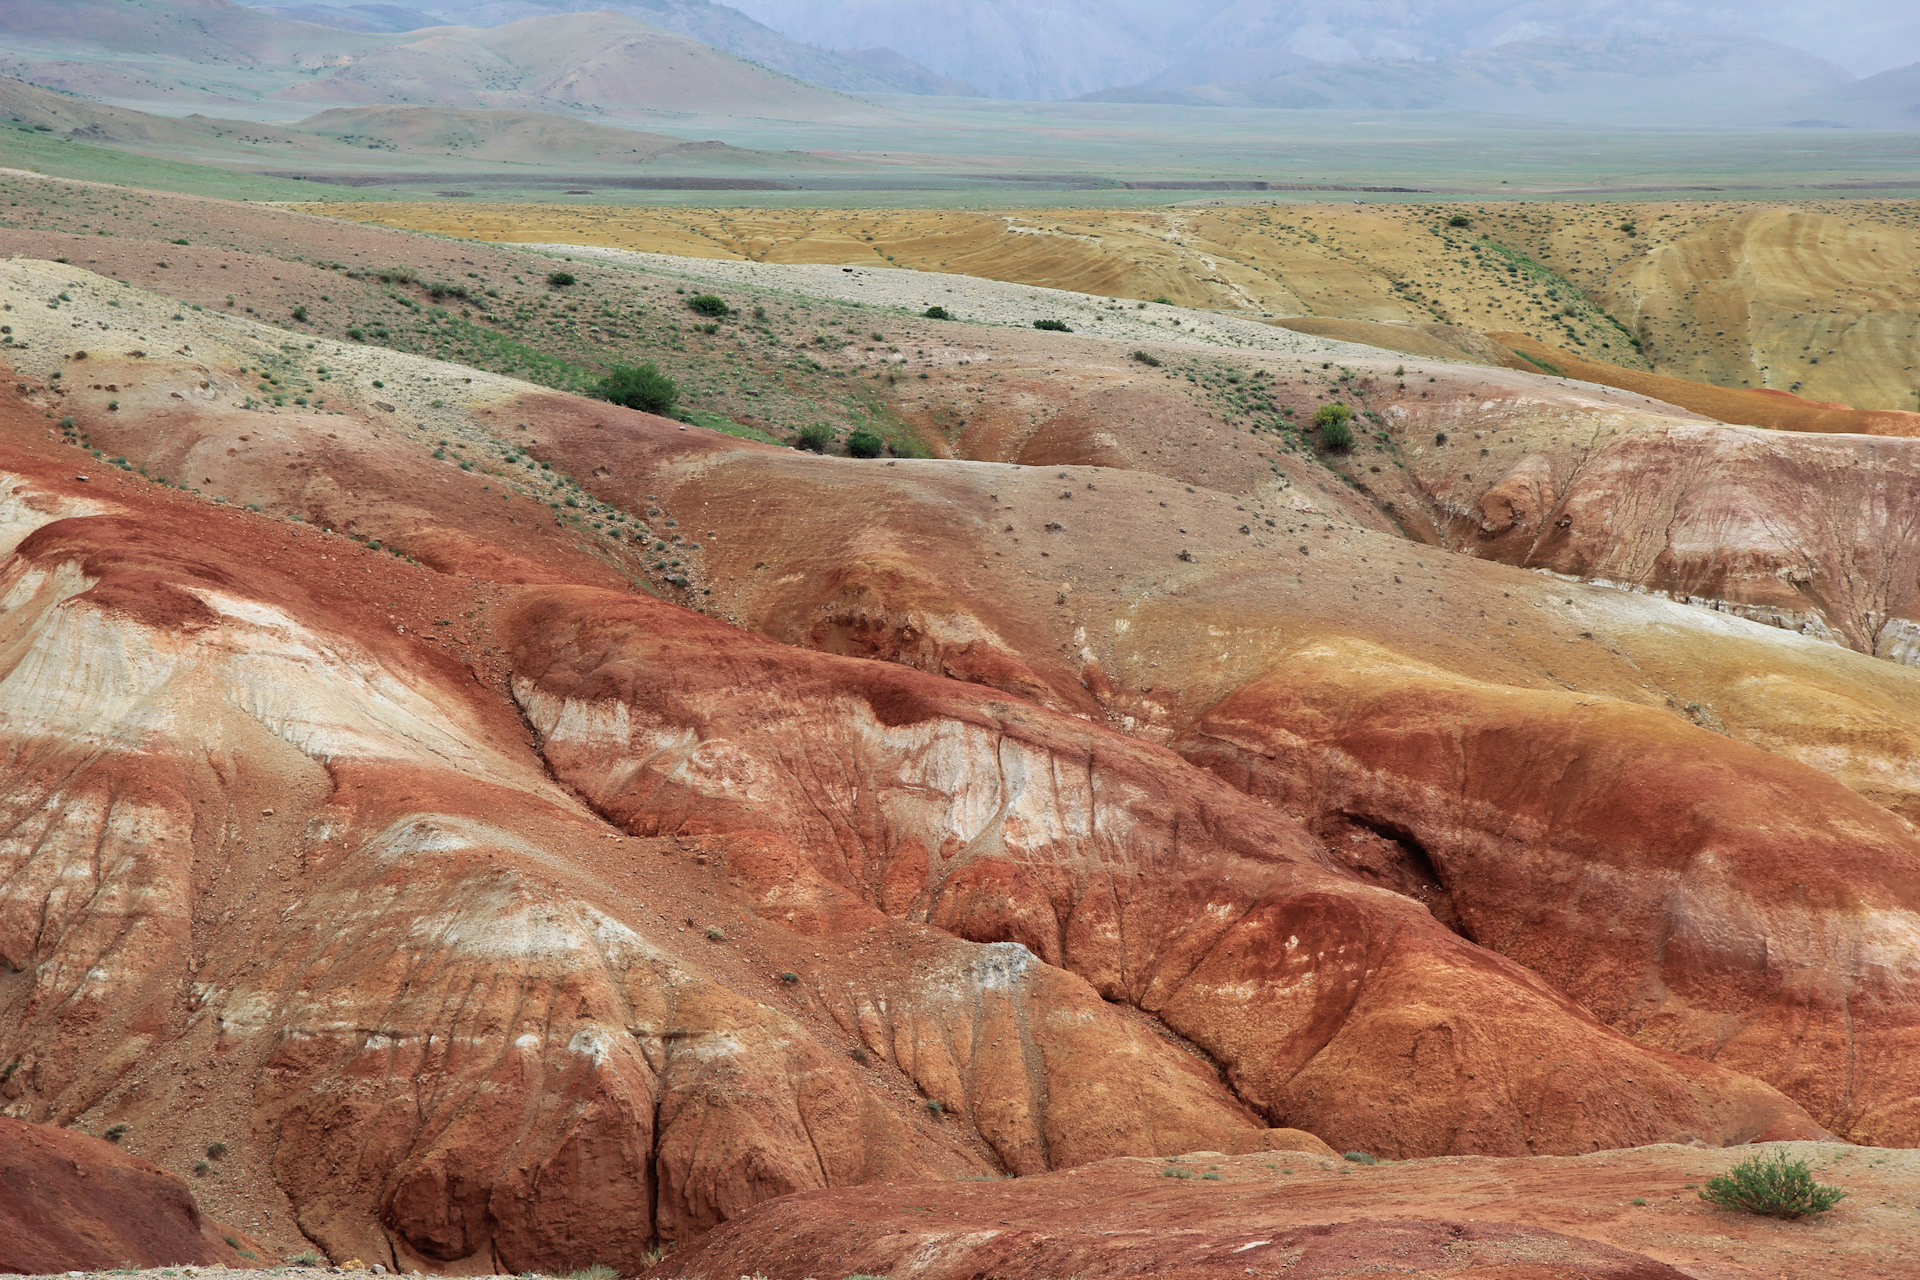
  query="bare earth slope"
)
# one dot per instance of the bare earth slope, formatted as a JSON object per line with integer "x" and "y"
{"x": 1620, "y": 1214}
{"x": 631, "y": 823}
{"x": 69, "y": 1200}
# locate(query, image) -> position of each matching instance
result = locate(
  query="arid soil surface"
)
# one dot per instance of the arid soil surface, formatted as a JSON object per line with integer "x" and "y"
{"x": 1618, "y": 1214}
{"x": 1816, "y": 298}
{"x": 521, "y": 832}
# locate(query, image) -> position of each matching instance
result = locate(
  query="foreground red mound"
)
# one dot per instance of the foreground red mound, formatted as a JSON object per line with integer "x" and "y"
{"x": 69, "y": 1202}
{"x": 1215, "y": 1217}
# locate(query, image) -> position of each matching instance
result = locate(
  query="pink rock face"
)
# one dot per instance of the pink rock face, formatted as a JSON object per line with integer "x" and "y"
{"x": 1818, "y": 534}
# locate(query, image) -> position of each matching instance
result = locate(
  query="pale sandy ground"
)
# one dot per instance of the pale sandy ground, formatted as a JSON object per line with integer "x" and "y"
{"x": 982, "y": 301}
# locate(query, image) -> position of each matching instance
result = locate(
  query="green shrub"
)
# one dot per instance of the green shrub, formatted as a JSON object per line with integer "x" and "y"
{"x": 645, "y": 388}
{"x": 1776, "y": 1188}
{"x": 864, "y": 444}
{"x": 708, "y": 304}
{"x": 1147, "y": 358}
{"x": 1459, "y": 220}
{"x": 598, "y": 1271}
{"x": 300, "y": 314}
{"x": 560, "y": 279}
{"x": 814, "y": 438}
{"x": 937, "y": 313}
{"x": 1361, "y": 1157}
{"x": 307, "y": 1258}
{"x": 217, "y": 1150}
{"x": 1052, "y": 326}
{"x": 1331, "y": 420}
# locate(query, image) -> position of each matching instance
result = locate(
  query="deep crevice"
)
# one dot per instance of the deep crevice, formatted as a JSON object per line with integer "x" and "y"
{"x": 1387, "y": 854}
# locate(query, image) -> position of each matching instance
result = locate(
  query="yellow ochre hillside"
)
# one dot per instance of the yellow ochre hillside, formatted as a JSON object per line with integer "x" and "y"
{"x": 1821, "y": 299}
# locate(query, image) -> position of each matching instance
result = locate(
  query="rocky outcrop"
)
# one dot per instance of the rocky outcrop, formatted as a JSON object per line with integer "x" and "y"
{"x": 1816, "y": 534}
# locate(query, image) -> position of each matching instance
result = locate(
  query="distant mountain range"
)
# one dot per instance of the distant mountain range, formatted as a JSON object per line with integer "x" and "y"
{"x": 175, "y": 56}
{"x": 1068, "y": 48}
{"x": 850, "y": 69}
{"x": 708, "y": 59}
{"x": 1622, "y": 80}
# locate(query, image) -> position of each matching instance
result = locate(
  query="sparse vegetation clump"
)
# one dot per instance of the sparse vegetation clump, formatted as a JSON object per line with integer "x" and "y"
{"x": 1361, "y": 1157}
{"x": 560, "y": 279}
{"x": 598, "y": 1271}
{"x": 1147, "y": 358}
{"x": 709, "y": 304}
{"x": 644, "y": 388}
{"x": 864, "y": 444}
{"x": 814, "y": 437}
{"x": 1332, "y": 421}
{"x": 1052, "y": 326}
{"x": 1776, "y": 1188}
{"x": 937, "y": 313}
{"x": 1459, "y": 220}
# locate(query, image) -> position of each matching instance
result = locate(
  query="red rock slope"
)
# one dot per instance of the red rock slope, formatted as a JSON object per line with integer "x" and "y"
{"x": 72, "y": 1202}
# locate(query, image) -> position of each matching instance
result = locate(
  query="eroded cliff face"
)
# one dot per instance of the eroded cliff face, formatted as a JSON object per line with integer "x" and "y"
{"x": 1333, "y": 1006}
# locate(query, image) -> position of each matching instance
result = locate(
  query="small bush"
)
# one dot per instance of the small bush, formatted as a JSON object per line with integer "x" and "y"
{"x": 598, "y": 1271}
{"x": 716, "y": 934}
{"x": 560, "y": 279}
{"x": 708, "y": 304}
{"x": 1052, "y": 326}
{"x": 814, "y": 438}
{"x": 1147, "y": 358}
{"x": 1164, "y": 300}
{"x": 789, "y": 977}
{"x": 217, "y": 1150}
{"x": 645, "y": 388}
{"x": 300, "y": 314}
{"x": 1776, "y": 1188}
{"x": 1459, "y": 220}
{"x": 307, "y": 1258}
{"x": 937, "y": 313}
{"x": 864, "y": 444}
{"x": 934, "y": 1107}
{"x": 1332, "y": 419}
{"x": 115, "y": 1132}
{"x": 201, "y": 1169}
{"x": 1361, "y": 1157}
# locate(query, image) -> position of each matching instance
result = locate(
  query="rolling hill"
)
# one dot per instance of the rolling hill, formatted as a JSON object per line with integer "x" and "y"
{"x": 852, "y": 70}
{"x": 602, "y": 63}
